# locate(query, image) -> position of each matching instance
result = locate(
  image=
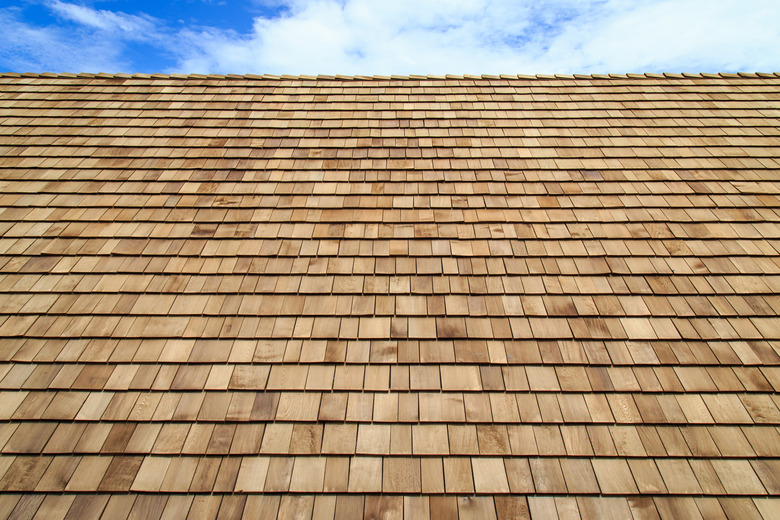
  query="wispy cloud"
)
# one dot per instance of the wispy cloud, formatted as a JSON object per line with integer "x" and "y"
{"x": 84, "y": 39}
{"x": 419, "y": 36}
{"x": 26, "y": 47}
{"x": 121, "y": 24}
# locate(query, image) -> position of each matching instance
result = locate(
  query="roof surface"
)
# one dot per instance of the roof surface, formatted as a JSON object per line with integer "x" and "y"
{"x": 485, "y": 297}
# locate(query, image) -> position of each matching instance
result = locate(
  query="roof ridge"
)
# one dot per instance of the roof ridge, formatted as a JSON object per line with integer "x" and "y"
{"x": 410, "y": 77}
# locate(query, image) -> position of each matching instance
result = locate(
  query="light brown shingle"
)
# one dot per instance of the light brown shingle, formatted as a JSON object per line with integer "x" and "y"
{"x": 419, "y": 296}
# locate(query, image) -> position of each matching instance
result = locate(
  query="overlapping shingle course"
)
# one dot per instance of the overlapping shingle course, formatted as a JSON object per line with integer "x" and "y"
{"x": 365, "y": 296}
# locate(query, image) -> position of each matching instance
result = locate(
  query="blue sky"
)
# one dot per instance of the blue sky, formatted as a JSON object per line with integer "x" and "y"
{"x": 390, "y": 36}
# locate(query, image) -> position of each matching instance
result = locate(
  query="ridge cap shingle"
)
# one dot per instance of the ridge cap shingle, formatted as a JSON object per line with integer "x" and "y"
{"x": 379, "y": 77}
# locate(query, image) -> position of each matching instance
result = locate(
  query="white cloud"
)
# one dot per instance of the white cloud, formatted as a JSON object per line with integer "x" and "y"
{"x": 97, "y": 41}
{"x": 495, "y": 36}
{"x": 28, "y": 48}
{"x": 140, "y": 27}
{"x": 691, "y": 36}
{"x": 417, "y": 37}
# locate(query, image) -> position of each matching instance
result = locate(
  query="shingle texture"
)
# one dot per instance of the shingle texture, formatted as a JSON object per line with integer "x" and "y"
{"x": 492, "y": 297}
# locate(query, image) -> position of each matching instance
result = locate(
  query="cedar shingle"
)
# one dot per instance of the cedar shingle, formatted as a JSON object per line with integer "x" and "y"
{"x": 563, "y": 287}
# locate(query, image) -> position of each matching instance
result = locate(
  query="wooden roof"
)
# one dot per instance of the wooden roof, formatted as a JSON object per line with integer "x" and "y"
{"x": 356, "y": 297}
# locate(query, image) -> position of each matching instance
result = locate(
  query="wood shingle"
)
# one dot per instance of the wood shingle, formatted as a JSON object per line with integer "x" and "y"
{"x": 485, "y": 297}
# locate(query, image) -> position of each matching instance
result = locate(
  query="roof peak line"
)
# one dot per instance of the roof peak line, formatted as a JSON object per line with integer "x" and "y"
{"x": 338, "y": 77}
